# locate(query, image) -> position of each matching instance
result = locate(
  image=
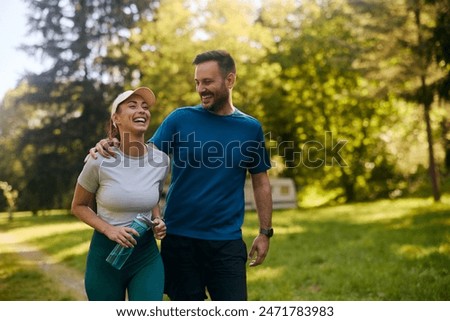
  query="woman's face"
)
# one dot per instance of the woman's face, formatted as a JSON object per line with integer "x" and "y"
{"x": 133, "y": 115}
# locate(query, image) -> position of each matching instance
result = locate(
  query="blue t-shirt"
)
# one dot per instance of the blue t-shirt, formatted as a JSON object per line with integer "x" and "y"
{"x": 210, "y": 157}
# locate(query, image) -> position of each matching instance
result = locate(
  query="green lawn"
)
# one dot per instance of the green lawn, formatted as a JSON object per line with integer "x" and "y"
{"x": 384, "y": 250}
{"x": 20, "y": 282}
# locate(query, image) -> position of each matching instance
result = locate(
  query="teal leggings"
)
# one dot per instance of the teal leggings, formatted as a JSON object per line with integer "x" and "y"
{"x": 141, "y": 278}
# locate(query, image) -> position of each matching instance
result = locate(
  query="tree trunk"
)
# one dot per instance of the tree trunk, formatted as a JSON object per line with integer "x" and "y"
{"x": 446, "y": 142}
{"x": 349, "y": 186}
{"x": 425, "y": 97}
{"x": 433, "y": 170}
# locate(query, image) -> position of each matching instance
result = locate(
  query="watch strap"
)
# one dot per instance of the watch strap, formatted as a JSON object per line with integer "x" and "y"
{"x": 267, "y": 232}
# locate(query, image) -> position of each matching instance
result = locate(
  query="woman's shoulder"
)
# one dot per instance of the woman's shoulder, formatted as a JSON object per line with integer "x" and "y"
{"x": 155, "y": 153}
{"x": 99, "y": 159}
{"x": 91, "y": 161}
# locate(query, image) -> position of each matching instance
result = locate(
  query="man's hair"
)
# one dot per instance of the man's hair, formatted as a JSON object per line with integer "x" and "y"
{"x": 223, "y": 58}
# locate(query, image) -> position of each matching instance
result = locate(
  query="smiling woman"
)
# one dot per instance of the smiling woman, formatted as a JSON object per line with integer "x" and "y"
{"x": 123, "y": 189}
{"x": 130, "y": 117}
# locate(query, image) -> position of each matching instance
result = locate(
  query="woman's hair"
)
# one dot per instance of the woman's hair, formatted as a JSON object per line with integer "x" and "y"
{"x": 112, "y": 130}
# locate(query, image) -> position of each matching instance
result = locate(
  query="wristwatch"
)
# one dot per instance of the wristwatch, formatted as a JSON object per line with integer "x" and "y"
{"x": 267, "y": 232}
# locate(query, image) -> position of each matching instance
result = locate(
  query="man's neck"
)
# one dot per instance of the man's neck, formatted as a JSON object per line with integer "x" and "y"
{"x": 224, "y": 110}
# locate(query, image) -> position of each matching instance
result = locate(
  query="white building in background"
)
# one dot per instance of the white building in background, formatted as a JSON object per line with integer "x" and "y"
{"x": 284, "y": 194}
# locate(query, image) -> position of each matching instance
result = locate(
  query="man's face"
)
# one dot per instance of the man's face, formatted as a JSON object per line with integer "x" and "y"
{"x": 211, "y": 86}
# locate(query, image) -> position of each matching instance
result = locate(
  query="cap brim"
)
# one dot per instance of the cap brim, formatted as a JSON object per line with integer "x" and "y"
{"x": 146, "y": 94}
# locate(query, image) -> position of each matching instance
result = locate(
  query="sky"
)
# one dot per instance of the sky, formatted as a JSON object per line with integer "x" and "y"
{"x": 13, "y": 33}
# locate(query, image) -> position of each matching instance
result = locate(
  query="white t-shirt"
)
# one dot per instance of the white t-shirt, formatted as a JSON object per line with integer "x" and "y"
{"x": 125, "y": 186}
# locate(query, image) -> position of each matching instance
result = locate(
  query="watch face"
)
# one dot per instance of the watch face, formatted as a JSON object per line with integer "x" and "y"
{"x": 268, "y": 232}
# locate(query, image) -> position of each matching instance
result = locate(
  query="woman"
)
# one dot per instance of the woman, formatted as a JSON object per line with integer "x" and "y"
{"x": 123, "y": 187}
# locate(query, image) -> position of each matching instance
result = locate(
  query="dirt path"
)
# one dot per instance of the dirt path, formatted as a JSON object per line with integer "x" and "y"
{"x": 69, "y": 280}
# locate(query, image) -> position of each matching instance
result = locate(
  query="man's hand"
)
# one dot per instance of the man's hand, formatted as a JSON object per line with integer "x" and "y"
{"x": 260, "y": 247}
{"x": 103, "y": 147}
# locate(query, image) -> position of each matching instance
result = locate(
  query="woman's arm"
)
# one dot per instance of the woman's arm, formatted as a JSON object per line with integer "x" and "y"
{"x": 81, "y": 208}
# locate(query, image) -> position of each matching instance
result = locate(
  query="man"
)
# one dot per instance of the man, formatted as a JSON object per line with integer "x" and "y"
{"x": 212, "y": 147}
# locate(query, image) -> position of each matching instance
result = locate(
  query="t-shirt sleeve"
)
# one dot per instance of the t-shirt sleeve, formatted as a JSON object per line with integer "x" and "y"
{"x": 260, "y": 157}
{"x": 163, "y": 137}
{"x": 89, "y": 176}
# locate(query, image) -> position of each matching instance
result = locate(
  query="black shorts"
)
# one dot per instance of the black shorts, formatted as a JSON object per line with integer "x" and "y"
{"x": 193, "y": 266}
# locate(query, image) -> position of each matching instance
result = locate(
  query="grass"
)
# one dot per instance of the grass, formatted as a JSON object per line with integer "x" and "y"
{"x": 21, "y": 282}
{"x": 384, "y": 250}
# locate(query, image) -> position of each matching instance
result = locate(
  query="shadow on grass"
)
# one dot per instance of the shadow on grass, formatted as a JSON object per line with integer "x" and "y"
{"x": 403, "y": 258}
{"x": 61, "y": 235}
{"x": 69, "y": 247}
{"x": 23, "y": 282}
{"x": 24, "y": 221}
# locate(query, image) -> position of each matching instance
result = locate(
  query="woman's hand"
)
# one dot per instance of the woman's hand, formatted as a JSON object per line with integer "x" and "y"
{"x": 159, "y": 228}
{"x": 122, "y": 235}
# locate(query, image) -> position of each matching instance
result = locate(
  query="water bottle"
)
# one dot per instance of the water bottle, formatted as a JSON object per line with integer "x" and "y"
{"x": 120, "y": 254}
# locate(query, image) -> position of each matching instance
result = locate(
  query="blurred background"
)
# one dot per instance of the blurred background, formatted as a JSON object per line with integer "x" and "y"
{"x": 353, "y": 95}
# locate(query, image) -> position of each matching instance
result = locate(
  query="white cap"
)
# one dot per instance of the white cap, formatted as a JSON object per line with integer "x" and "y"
{"x": 144, "y": 92}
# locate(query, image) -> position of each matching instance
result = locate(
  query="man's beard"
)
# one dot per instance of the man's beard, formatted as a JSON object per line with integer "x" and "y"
{"x": 219, "y": 101}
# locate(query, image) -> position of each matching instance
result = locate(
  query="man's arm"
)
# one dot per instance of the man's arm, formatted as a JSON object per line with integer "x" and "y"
{"x": 263, "y": 199}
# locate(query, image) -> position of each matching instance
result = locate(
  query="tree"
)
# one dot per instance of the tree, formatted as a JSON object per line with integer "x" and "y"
{"x": 11, "y": 196}
{"x": 441, "y": 46}
{"x": 415, "y": 40}
{"x": 330, "y": 111}
{"x": 70, "y": 99}
{"x": 164, "y": 47}
{"x": 424, "y": 95}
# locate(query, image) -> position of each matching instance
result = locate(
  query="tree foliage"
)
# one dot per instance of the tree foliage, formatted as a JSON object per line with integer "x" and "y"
{"x": 66, "y": 105}
{"x": 342, "y": 87}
